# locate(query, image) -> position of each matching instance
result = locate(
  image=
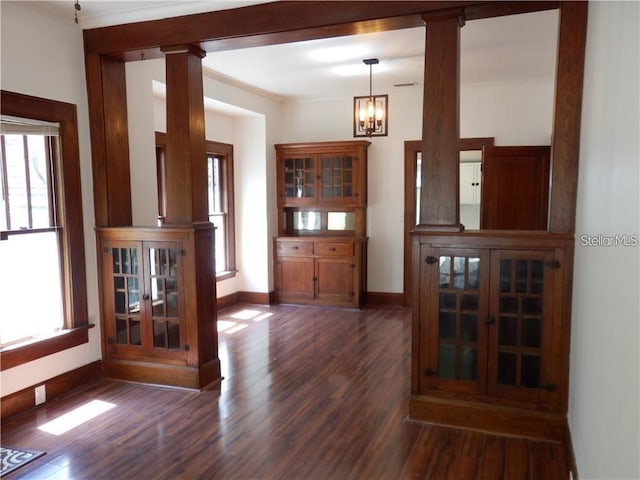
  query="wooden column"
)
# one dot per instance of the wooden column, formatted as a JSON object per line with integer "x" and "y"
{"x": 186, "y": 170}
{"x": 439, "y": 200}
{"x": 107, "y": 95}
{"x": 565, "y": 145}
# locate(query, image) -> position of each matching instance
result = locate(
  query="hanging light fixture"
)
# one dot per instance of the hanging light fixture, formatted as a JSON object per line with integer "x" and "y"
{"x": 370, "y": 112}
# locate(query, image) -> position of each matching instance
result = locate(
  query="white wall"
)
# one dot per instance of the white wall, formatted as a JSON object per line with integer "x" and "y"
{"x": 604, "y": 385}
{"x": 44, "y": 57}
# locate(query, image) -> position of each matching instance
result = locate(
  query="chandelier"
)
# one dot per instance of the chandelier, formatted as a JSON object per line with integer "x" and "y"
{"x": 370, "y": 112}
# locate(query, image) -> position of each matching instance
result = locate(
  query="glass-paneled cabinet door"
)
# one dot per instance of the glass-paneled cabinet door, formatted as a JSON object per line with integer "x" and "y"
{"x": 337, "y": 178}
{"x": 455, "y": 317}
{"x": 163, "y": 267}
{"x": 298, "y": 179}
{"x": 519, "y": 346}
{"x": 124, "y": 309}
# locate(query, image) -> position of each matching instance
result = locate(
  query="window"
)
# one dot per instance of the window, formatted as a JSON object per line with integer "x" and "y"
{"x": 43, "y": 280}
{"x": 219, "y": 160}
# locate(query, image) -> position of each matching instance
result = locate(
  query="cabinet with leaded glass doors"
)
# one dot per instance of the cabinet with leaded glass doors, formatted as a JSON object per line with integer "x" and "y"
{"x": 489, "y": 322}
{"x": 143, "y": 284}
{"x": 331, "y": 173}
{"x": 151, "y": 331}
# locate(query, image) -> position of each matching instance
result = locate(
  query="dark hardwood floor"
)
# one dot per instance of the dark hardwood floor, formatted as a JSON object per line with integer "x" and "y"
{"x": 309, "y": 393}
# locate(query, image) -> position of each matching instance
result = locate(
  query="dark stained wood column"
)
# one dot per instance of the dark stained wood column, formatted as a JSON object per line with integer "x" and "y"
{"x": 186, "y": 170}
{"x": 565, "y": 145}
{"x": 107, "y": 95}
{"x": 439, "y": 201}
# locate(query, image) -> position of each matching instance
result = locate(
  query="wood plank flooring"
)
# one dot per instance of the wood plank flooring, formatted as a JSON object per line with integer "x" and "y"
{"x": 308, "y": 393}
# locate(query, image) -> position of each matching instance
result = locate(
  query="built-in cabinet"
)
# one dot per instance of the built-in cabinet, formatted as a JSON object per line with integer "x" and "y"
{"x": 326, "y": 270}
{"x": 157, "y": 306}
{"x": 320, "y": 251}
{"x": 489, "y": 319}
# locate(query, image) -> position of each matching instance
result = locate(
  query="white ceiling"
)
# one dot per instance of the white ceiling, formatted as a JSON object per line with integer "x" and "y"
{"x": 492, "y": 50}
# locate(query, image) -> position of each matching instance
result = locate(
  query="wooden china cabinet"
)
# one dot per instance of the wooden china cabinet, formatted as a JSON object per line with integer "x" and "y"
{"x": 320, "y": 252}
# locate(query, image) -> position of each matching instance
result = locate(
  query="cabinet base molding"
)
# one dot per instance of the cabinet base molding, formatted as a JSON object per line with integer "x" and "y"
{"x": 489, "y": 418}
{"x": 24, "y": 399}
{"x": 384, "y": 298}
{"x": 162, "y": 374}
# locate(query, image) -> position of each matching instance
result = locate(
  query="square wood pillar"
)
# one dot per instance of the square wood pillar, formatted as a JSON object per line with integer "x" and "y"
{"x": 439, "y": 197}
{"x": 186, "y": 169}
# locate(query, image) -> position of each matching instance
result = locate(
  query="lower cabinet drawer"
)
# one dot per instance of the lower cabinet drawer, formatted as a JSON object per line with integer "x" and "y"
{"x": 294, "y": 248}
{"x": 334, "y": 248}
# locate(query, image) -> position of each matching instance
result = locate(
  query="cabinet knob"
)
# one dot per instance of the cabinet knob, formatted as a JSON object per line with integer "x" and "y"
{"x": 333, "y": 249}
{"x": 431, "y": 260}
{"x": 145, "y": 296}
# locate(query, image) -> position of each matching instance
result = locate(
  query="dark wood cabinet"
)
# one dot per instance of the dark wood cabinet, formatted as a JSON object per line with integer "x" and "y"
{"x": 320, "y": 252}
{"x": 158, "y": 319}
{"x": 321, "y": 271}
{"x": 489, "y": 318}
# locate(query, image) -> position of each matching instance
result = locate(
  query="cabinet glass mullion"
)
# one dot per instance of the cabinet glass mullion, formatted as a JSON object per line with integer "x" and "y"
{"x": 520, "y": 317}
{"x": 458, "y": 317}
{"x": 163, "y": 287}
{"x": 126, "y": 288}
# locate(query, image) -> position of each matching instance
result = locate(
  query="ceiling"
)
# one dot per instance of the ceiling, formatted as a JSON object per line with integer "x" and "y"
{"x": 499, "y": 49}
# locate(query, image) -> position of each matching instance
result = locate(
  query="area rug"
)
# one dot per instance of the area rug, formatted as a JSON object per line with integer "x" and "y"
{"x": 12, "y": 458}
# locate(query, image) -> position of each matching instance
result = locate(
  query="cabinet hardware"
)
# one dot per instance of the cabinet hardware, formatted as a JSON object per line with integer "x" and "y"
{"x": 145, "y": 296}
{"x": 107, "y": 249}
{"x": 332, "y": 249}
{"x": 182, "y": 252}
{"x": 430, "y": 373}
{"x": 431, "y": 260}
{"x": 187, "y": 348}
{"x": 553, "y": 265}
{"x": 490, "y": 320}
{"x": 315, "y": 279}
{"x": 549, "y": 387}
{"x": 294, "y": 248}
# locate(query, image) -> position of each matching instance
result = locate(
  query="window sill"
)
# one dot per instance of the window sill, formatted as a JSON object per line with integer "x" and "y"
{"x": 16, "y": 355}
{"x": 225, "y": 275}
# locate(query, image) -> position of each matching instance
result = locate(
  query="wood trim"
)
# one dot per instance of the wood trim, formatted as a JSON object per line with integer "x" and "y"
{"x": 69, "y": 197}
{"x": 272, "y": 23}
{"x": 570, "y": 455}
{"x": 384, "y": 298}
{"x": 495, "y": 419}
{"x": 17, "y": 356}
{"x": 257, "y": 298}
{"x": 24, "y": 399}
{"x": 227, "y": 301}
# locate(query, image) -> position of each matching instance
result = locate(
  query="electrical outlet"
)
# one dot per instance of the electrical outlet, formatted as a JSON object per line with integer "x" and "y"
{"x": 41, "y": 394}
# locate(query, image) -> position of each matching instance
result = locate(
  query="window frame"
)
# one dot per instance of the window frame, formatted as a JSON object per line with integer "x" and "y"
{"x": 224, "y": 151}
{"x": 71, "y": 234}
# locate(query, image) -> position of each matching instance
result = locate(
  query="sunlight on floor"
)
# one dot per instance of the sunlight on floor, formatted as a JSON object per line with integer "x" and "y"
{"x": 231, "y": 327}
{"x": 76, "y": 417}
